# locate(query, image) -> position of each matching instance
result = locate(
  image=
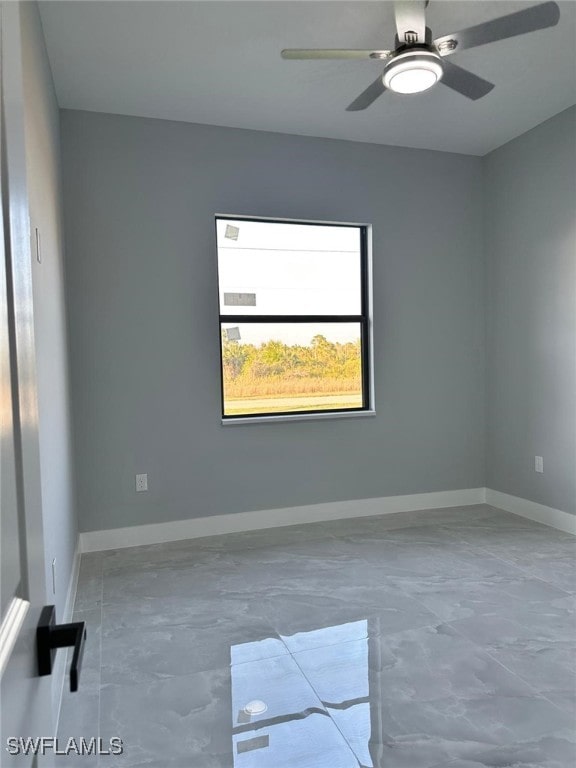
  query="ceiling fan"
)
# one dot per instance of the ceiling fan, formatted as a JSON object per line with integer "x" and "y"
{"x": 418, "y": 62}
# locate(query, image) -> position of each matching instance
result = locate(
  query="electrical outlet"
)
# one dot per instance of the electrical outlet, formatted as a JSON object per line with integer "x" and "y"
{"x": 538, "y": 464}
{"x": 141, "y": 483}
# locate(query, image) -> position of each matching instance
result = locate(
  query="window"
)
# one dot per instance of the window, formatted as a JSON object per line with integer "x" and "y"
{"x": 294, "y": 322}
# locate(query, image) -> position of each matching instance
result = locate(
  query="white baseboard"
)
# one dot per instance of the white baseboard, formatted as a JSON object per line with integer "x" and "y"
{"x": 555, "y": 518}
{"x": 177, "y": 530}
{"x": 159, "y": 533}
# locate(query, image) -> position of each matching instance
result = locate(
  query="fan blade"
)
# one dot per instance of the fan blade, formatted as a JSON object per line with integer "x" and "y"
{"x": 520, "y": 23}
{"x": 410, "y": 21}
{"x": 368, "y": 96}
{"x": 465, "y": 82}
{"x": 332, "y": 53}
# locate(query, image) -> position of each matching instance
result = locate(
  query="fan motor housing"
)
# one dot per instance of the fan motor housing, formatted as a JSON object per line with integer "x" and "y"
{"x": 410, "y": 36}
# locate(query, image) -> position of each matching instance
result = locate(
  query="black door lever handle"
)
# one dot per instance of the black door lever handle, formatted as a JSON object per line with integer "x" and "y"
{"x": 51, "y": 636}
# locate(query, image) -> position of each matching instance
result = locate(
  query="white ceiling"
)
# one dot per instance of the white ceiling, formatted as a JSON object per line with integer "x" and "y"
{"x": 219, "y": 63}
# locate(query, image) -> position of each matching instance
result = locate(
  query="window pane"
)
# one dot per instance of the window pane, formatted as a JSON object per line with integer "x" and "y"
{"x": 275, "y": 268}
{"x": 291, "y": 367}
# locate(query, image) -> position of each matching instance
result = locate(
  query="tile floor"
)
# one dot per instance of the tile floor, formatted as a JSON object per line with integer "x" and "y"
{"x": 437, "y": 639}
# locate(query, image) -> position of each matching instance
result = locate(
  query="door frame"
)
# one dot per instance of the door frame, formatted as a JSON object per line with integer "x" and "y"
{"x": 30, "y": 697}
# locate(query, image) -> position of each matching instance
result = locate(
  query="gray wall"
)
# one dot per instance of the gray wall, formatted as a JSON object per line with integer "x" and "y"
{"x": 530, "y": 192}
{"x": 140, "y": 199}
{"x": 44, "y": 191}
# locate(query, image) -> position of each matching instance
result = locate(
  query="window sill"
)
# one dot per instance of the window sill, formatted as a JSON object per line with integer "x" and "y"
{"x": 297, "y": 417}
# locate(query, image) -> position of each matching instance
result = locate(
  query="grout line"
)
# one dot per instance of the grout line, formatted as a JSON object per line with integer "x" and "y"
{"x": 317, "y": 694}
{"x": 99, "y": 724}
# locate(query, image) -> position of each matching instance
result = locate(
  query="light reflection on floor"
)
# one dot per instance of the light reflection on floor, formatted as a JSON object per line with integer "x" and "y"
{"x": 295, "y": 715}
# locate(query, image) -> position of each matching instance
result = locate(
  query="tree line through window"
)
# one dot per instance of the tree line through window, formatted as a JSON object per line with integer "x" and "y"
{"x": 323, "y": 373}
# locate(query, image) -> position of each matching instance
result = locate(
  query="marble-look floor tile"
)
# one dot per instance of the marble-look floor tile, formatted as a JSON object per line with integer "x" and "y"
{"x": 395, "y": 557}
{"x": 183, "y": 554}
{"x": 486, "y": 516}
{"x": 261, "y": 538}
{"x": 536, "y": 643}
{"x": 264, "y": 572}
{"x": 436, "y": 731}
{"x": 451, "y": 597}
{"x": 480, "y": 515}
{"x": 515, "y": 538}
{"x": 554, "y": 568}
{"x": 436, "y": 695}
{"x": 202, "y": 719}
{"x": 292, "y": 614}
{"x": 485, "y": 565}
{"x": 307, "y": 623}
{"x": 202, "y": 580}
{"x": 295, "y": 615}
{"x": 437, "y": 535}
{"x": 338, "y": 628}
{"x": 195, "y": 612}
{"x": 329, "y": 549}
{"x": 140, "y": 655}
{"x": 379, "y": 525}
{"x": 427, "y": 664}
{"x": 172, "y": 719}
{"x": 545, "y": 554}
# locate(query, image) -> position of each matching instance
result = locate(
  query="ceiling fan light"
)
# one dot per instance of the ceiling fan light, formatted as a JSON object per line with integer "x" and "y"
{"x": 413, "y": 72}
{"x": 413, "y": 80}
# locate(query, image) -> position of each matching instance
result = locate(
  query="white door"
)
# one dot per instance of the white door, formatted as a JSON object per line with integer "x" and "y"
{"x": 25, "y": 698}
